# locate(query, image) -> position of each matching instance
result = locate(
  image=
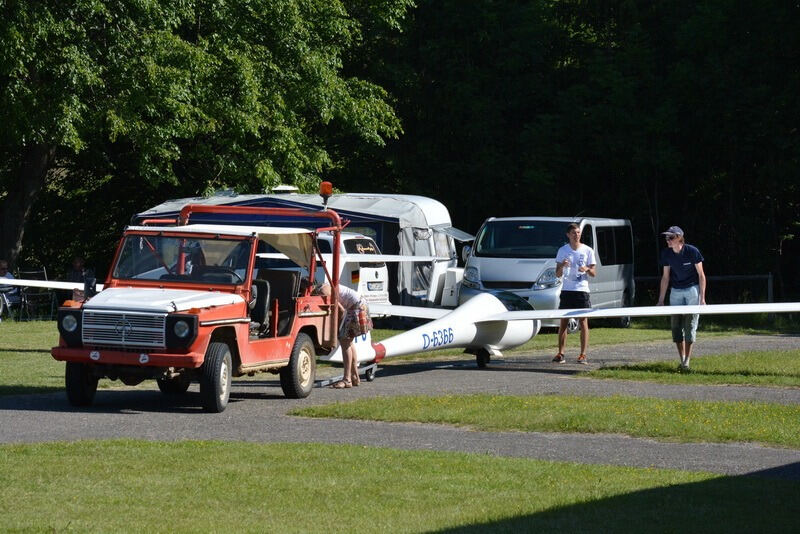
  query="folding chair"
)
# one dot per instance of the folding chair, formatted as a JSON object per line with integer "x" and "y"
{"x": 36, "y": 302}
{"x": 8, "y": 304}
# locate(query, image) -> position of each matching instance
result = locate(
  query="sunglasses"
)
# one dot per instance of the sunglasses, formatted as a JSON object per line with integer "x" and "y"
{"x": 671, "y": 237}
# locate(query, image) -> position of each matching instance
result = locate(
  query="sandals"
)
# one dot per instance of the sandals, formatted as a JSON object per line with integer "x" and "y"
{"x": 342, "y": 384}
{"x": 355, "y": 381}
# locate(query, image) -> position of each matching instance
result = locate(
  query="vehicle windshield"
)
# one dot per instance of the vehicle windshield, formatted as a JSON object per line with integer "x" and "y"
{"x": 520, "y": 239}
{"x": 183, "y": 259}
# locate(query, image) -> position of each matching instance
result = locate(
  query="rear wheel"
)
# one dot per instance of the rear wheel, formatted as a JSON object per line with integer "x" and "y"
{"x": 176, "y": 385}
{"x": 215, "y": 380}
{"x": 81, "y": 384}
{"x": 297, "y": 379}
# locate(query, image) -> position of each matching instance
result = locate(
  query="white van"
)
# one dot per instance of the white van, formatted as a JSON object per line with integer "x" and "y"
{"x": 517, "y": 255}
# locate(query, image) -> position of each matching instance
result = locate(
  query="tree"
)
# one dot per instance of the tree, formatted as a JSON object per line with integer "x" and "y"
{"x": 202, "y": 94}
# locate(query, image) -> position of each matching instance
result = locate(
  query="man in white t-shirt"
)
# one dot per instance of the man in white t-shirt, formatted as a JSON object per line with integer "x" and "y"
{"x": 575, "y": 262}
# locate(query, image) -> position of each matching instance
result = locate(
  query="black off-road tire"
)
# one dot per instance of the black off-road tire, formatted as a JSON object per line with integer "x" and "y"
{"x": 81, "y": 384}
{"x": 297, "y": 379}
{"x": 215, "y": 378}
{"x": 174, "y": 386}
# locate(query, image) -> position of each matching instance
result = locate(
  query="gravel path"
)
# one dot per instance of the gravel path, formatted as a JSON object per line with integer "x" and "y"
{"x": 257, "y": 412}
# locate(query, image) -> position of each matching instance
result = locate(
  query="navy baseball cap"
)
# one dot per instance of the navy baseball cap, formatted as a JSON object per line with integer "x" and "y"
{"x": 673, "y": 230}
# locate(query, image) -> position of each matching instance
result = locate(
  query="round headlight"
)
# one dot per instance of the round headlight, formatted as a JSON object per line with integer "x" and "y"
{"x": 69, "y": 323}
{"x": 181, "y": 329}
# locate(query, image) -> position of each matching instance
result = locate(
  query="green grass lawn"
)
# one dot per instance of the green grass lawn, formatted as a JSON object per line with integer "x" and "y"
{"x": 137, "y": 486}
{"x": 763, "y": 368}
{"x": 667, "y": 419}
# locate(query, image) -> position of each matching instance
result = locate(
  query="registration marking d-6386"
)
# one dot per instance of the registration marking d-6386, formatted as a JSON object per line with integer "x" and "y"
{"x": 437, "y": 338}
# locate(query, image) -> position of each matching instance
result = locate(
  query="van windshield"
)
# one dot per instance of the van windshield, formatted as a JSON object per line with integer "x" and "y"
{"x": 520, "y": 239}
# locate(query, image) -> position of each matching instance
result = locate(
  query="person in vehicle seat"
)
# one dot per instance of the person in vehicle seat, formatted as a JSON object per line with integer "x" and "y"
{"x": 356, "y": 321}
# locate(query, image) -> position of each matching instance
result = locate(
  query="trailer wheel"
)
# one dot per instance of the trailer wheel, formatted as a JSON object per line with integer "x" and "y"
{"x": 174, "y": 386}
{"x": 297, "y": 379}
{"x": 482, "y": 358}
{"x": 215, "y": 380}
{"x": 369, "y": 374}
{"x": 81, "y": 384}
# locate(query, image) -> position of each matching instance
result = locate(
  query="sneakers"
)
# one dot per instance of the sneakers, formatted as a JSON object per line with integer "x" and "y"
{"x": 559, "y": 358}
{"x": 582, "y": 359}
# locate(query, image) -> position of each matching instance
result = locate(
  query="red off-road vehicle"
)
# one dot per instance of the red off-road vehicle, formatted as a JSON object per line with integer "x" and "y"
{"x": 202, "y": 302}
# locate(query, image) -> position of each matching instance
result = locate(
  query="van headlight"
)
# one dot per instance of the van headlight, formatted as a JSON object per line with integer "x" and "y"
{"x": 471, "y": 277}
{"x": 547, "y": 279}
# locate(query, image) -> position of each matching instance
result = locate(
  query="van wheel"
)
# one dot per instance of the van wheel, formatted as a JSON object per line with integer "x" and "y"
{"x": 215, "y": 378}
{"x": 81, "y": 384}
{"x": 297, "y": 378}
{"x": 174, "y": 386}
{"x": 572, "y": 326}
{"x": 625, "y": 322}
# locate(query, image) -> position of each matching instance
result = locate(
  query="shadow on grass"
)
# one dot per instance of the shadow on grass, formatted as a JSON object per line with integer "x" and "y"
{"x": 750, "y": 503}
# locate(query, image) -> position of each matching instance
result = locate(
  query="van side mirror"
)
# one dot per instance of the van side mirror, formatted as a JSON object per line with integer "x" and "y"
{"x": 465, "y": 252}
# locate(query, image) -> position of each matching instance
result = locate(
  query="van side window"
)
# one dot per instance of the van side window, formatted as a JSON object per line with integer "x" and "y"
{"x": 324, "y": 246}
{"x": 605, "y": 245}
{"x": 586, "y": 236}
{"x": 624, "y": 242}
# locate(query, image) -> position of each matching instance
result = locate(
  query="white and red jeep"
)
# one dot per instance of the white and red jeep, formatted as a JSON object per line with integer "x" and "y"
{"x": 198, "y": 302}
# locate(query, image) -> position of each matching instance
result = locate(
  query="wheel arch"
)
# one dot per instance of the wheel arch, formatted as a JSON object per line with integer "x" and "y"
{"x": 227, "y": 334}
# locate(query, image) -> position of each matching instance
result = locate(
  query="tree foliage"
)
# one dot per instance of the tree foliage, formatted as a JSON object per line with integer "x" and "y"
{"x": 199, "y": 95}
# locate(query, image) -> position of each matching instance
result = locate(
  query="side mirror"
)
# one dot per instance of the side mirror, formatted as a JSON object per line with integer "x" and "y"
{"x": 465, "y": 252}
{"x": 89, "y": 287}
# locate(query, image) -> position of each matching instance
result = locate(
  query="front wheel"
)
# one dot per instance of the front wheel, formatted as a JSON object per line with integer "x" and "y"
{"x": 215, "y": 380}
{"x": 297, "y": 379}
{"x": 81, "y": 384}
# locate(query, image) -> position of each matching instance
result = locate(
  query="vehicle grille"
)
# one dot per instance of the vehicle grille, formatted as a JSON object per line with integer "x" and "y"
{"x": 129, "y": 329}
{"x": 507, "y": 285}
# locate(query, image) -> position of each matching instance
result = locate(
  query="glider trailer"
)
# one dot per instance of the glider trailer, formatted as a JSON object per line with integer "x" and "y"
{"x": 196, "y": 302}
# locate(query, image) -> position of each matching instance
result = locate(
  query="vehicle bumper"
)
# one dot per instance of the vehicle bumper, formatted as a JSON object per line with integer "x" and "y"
{"x": 141, "y": 358}
{"x": 540, "y": 299}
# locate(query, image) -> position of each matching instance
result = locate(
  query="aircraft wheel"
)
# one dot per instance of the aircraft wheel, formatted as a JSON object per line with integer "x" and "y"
{"x": 297, "y": 379}
{"x": 369, "y": 374}
{"x": 572, "y": 326}
{"x": 482, "y": 358}
{"x": 174, "y": 386}
{"x": 215, "y": 380}
{"x": 81, "y": 384}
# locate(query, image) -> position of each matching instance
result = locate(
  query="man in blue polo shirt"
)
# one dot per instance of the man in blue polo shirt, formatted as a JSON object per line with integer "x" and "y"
{"x": 683, "y": 274}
